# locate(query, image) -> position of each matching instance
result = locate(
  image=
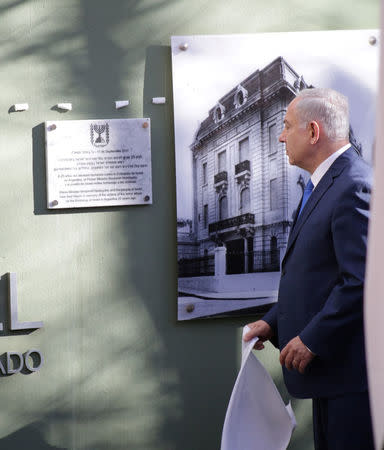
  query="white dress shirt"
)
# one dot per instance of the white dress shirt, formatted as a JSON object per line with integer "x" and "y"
{"x": 326, "y": 164}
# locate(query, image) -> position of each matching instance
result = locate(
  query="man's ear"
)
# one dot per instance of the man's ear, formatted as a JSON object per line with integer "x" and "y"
{"x": 314, "y": 130}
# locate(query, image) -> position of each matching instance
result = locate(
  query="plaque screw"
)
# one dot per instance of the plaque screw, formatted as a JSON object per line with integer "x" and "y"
{"x": 183, "y": 47}
{"x": 146, "y": 198}
{"x": 190, "y": 308}
{"x": 52, "y": 127}
{"x": 372, "y": 40}
{"x": 54, "y": 203}
{"x": 145, "y": 125}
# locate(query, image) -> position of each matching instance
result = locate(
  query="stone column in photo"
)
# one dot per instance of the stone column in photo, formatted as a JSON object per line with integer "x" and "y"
{"x": 220, "y": 261}
{"x": 220, "y": 268}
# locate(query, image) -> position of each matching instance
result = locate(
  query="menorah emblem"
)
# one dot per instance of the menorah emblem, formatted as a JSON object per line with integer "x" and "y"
{"x": 102, "y": 132}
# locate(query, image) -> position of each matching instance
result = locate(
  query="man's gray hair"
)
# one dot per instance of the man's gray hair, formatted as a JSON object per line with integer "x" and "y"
{"x": 328, "y": 107}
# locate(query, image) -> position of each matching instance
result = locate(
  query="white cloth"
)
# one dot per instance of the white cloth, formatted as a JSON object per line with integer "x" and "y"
{"x": 256, "y": 418}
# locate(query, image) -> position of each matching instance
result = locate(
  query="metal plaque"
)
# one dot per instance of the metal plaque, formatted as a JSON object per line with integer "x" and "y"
{"x": 104, "y": 162}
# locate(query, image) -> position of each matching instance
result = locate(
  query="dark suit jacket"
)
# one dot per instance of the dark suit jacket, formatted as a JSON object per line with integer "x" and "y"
{"x": 322, "y": 281}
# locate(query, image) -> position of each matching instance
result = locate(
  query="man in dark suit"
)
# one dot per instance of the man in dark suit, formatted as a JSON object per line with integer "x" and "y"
{"x": 317, "y": 322}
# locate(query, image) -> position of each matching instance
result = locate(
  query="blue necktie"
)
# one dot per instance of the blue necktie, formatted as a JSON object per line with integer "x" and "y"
{"x": 307, "y": 193}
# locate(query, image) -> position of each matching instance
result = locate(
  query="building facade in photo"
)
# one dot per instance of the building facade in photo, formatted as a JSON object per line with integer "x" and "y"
{"x": 245, "y": 191}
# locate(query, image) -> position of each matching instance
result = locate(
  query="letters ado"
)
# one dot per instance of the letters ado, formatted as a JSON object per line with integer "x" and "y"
{"x": 14, "y": 362}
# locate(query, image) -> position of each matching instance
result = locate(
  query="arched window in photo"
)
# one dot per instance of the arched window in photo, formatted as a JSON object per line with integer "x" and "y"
{"x": 245, "y": 201}
{"x": 241, "y": 96}
{"x": 222, "y": 161}
{"x": 218, "y": 113}
{"x": 223, "y": 207}
{"x": 244, "y": 150}
{"x": 204, "y": 174}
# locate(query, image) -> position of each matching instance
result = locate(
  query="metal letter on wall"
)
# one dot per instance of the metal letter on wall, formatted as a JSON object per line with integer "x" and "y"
{"x": 13, "y": 314}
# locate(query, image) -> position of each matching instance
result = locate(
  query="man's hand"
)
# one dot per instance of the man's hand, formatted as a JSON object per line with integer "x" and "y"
{"x": 261, "y": 330}
{"x": 295, "y": 355}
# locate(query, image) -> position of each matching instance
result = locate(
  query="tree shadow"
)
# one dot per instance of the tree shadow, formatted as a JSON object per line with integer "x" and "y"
{"x": 30, "y": 436}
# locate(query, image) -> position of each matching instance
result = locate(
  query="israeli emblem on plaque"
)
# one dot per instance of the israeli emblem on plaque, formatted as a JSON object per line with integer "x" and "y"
{"x": 99, "y": 134}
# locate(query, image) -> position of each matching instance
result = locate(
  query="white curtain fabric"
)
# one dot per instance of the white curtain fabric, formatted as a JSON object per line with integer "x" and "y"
{"x": 374, "y": 286}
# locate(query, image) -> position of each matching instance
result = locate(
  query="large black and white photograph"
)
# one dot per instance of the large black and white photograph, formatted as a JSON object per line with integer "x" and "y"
{"x": 236, "y": 190}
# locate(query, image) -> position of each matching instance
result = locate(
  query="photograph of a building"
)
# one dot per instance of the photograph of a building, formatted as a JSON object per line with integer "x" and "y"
{"x": 244, "y": 196}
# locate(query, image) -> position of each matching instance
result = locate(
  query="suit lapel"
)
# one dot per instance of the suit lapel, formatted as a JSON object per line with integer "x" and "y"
{"x": 296, "y": 214}
{"x": 324, "y": 184}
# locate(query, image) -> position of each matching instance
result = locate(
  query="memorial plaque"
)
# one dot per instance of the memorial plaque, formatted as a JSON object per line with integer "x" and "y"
{"x": 104, "y": 162}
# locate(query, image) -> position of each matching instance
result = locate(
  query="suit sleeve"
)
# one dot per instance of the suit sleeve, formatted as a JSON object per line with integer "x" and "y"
{"x": 271, "y": 319}
{"x": 342, "y": 313}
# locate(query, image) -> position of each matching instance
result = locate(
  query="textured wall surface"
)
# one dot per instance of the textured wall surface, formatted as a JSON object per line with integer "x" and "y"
{"x": 120, "y": 372}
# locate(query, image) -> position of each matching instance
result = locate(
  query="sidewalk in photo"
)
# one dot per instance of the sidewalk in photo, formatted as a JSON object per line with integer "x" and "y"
{"x": 226, "y": 295}
{"x": 194, "y": 307}
{"x": 240, "y": 295}
{"x": 244, "y": 285}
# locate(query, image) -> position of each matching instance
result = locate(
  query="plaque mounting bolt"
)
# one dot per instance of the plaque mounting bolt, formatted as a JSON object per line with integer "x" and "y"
{"x": 54, "y": 203}
{"x": 52, "y": 127}
{"x": 372, "y": 40}
{"x": 145, "y": 125}
{"x": 190, "y": 308}
{"x": 183, "y": 47}
{"x": 146, "y": 198}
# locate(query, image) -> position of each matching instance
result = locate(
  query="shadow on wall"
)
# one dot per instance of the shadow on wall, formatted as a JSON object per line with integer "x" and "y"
{"x": 27, "y": 437}
{"x": 106, "y": 383}
{"x": 39, "y": 174}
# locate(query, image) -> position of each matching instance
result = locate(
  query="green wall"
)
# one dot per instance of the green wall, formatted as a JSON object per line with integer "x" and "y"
{"x": 119, "y": 372}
